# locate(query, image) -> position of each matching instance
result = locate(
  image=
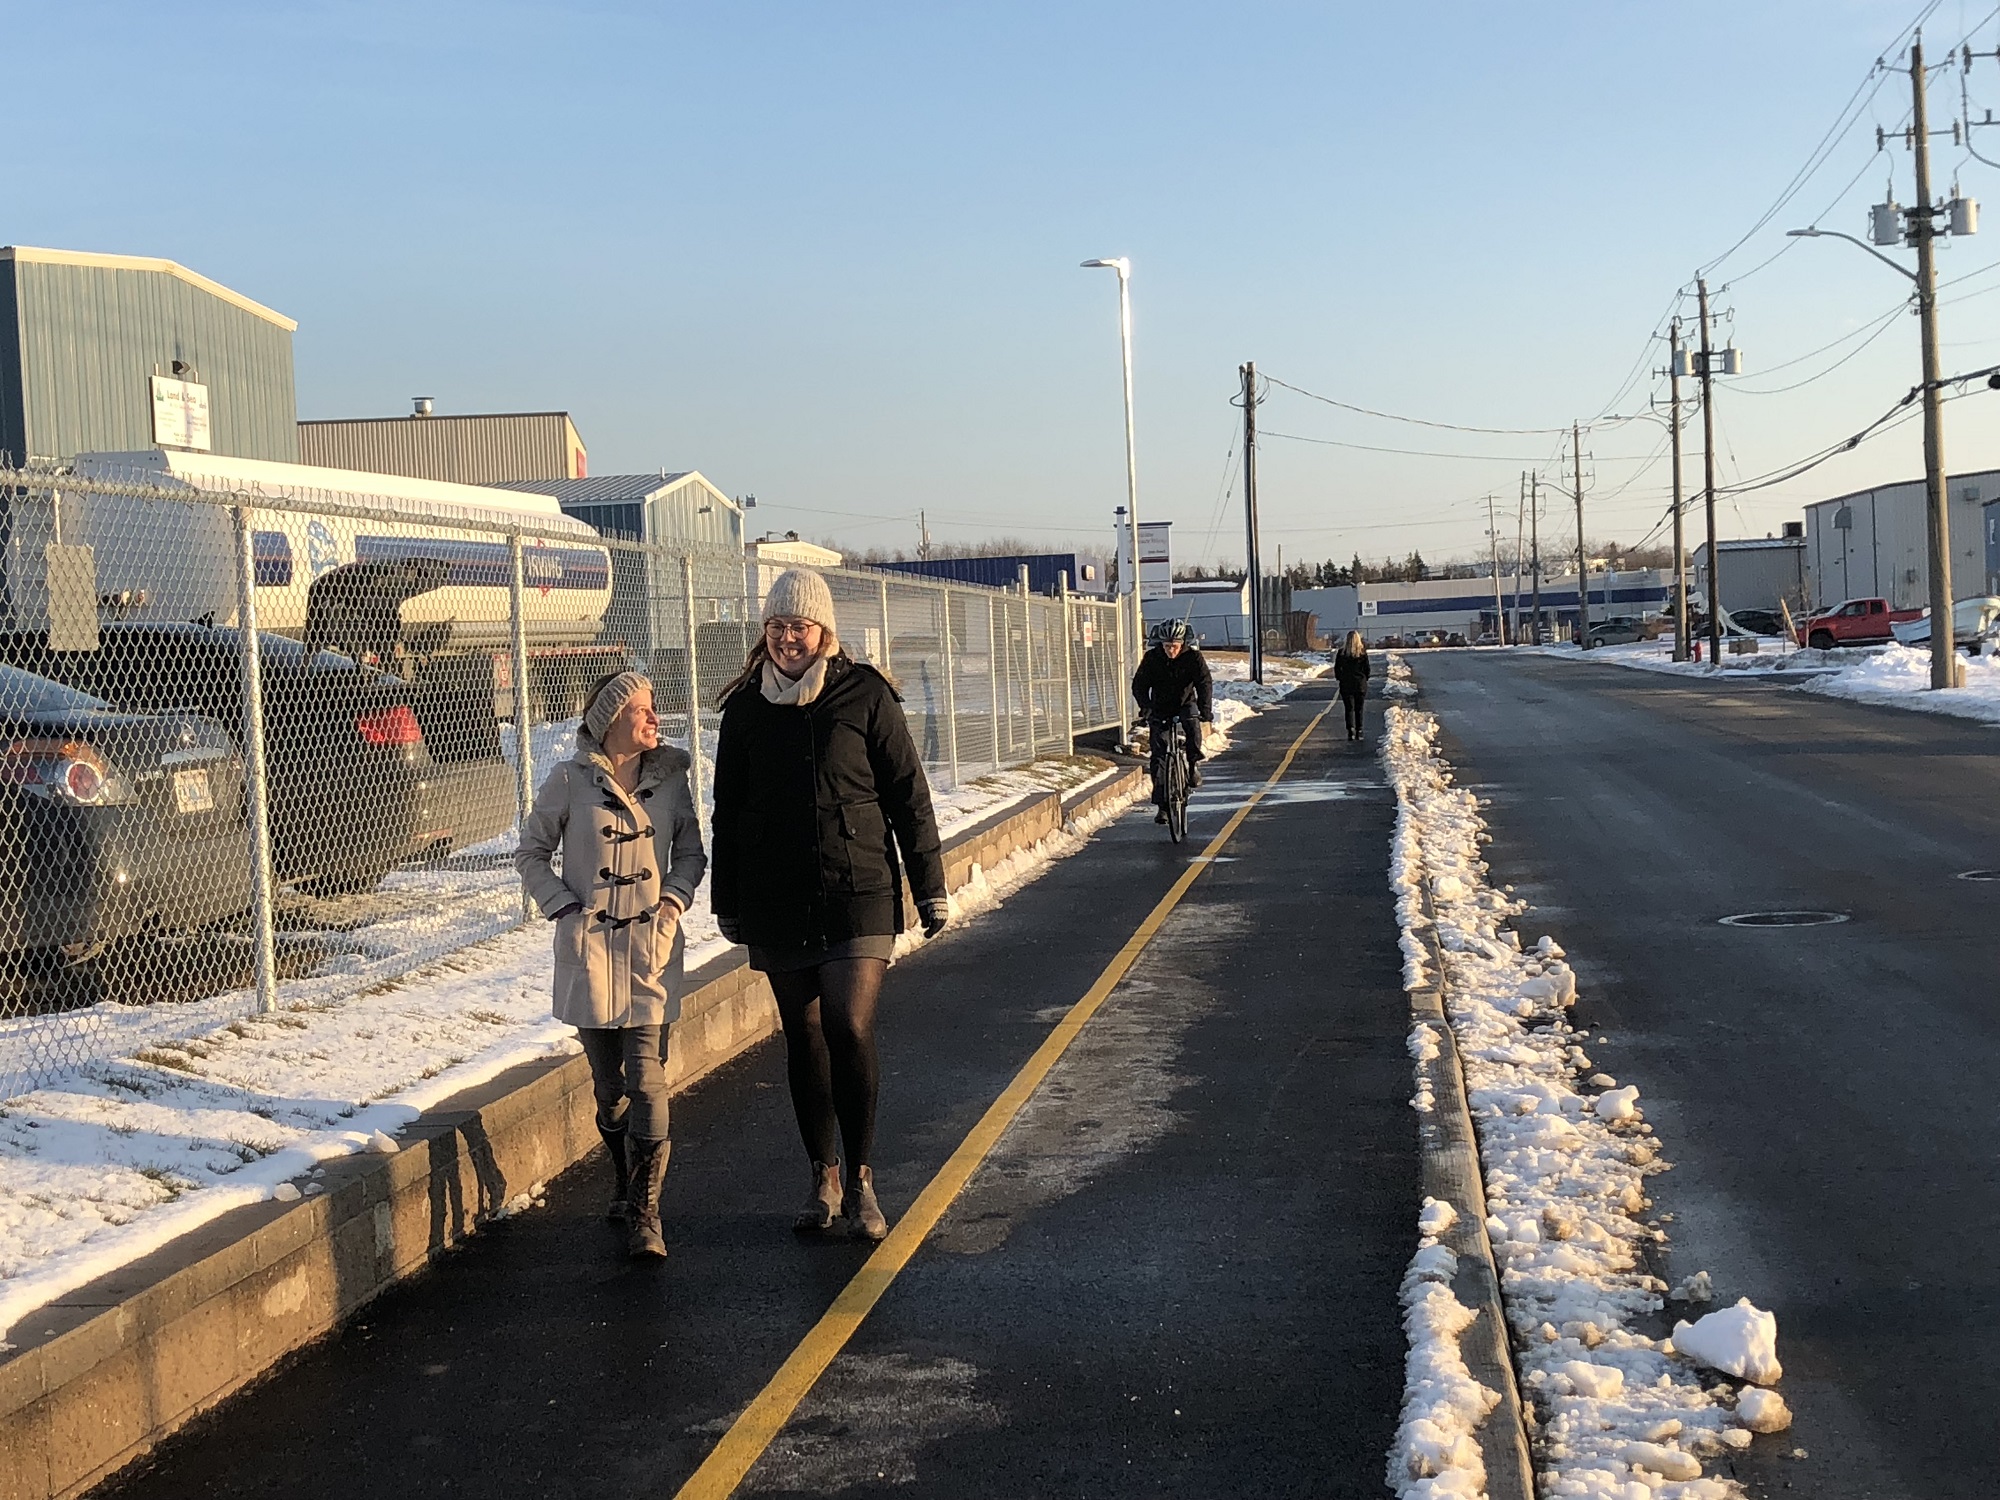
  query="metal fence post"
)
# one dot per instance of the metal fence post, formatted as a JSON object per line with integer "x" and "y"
{"x": 694, "y": 689}
{"x": 256, "y": 777}
{"x": 524, "y": 754}
{"x": 993, "y": 674}
{"x": 1123, "y": 685}
{"x": 1069, "y": 683}
{"x": 950, "y": 687}
{"x": 1028, "y": 656}
{"x": 882, "y": 588}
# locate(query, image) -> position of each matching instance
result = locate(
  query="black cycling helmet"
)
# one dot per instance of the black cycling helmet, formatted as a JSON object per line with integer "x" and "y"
{"x": 1175, "y": 630}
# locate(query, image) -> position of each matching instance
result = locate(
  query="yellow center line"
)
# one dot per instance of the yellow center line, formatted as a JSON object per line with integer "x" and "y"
{"x": 762, "y": 1420}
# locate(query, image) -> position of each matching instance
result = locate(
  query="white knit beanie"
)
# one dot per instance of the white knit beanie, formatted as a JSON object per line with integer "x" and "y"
{"x": 800, "y": 594}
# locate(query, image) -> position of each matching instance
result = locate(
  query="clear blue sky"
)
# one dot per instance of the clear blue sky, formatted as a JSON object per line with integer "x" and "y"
{"x": 828, "y": 254}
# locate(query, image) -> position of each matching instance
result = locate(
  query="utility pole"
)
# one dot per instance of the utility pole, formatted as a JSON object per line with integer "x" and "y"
{"x": 1708, "y": 482}
{"x": 1674, "y": 362}
{"x": 1582, "y": 560}
{"x": 1499, "y": 609}
{"x": 1520, "y": 536}
{"x": 1535, "y": 545}
{"x": 1944, "y": 659}
{"x": 923, "y": 535}
{"x": 1249, "y": 373}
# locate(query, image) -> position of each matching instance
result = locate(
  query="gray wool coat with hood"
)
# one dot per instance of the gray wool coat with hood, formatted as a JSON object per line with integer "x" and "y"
{"x": 621, "y": 856}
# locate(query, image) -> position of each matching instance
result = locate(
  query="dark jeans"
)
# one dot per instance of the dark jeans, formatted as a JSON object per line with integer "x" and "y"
{"x": 1190, "y": 738}
{"x": 1350, "y": 704}
{"x": 628, "y": 1075}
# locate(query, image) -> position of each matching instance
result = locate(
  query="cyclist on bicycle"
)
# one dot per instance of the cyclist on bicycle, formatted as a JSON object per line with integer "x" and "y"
{"x": 1173, "y": 682}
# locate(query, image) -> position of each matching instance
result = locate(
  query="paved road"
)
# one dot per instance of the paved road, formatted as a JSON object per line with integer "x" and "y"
{"x": 1826, "y": 1093}
{"x": 1175, "y": 1276}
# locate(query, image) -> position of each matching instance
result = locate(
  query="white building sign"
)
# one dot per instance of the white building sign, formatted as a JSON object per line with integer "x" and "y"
{"x": 180, "y": 414}
{"x": 1156, "y": 564}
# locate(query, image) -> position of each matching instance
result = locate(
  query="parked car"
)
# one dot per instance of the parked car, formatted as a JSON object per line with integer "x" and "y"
{"x": 1972, "y": 621}
{"x": 112, "y": 824}
{"x": 1854, "y": 622}
{"x": 1756, "y": 621}
{"x": 1619, "y": 629}
{"x": 366, "y": 770}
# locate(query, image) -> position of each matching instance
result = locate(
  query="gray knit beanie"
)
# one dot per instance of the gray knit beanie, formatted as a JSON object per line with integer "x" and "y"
{"x": 611, "y": 700}
{"x": 800, "y": 594}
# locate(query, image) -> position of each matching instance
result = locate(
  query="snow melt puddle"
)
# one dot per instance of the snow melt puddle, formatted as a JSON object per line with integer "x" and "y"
{"x": 1614, "y": 1414}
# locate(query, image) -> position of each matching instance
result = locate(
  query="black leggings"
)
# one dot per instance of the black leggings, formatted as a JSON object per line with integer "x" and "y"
{"x": 1351, "y": 704}
{"x": 829, "y": 1018}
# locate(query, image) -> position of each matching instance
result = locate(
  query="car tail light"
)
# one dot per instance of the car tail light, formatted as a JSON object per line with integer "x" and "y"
{"x": 67, "y": 770}
{"x": 390, "y": 727}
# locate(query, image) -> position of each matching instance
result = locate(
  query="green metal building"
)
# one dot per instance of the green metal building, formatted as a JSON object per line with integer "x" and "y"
{"x": 121, "y": 353}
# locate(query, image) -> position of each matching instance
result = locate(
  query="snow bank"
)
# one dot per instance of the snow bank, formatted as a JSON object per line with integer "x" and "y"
{"x": 1565, "y": 1177}
{"x": 1900, "y": 677}
{"x": 1894, "y": 676}
{"x": 1436, "y": 1453}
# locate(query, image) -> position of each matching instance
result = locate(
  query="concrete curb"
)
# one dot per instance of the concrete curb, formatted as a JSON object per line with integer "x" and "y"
{"x": 1448, "y": 1147}
{"x": 105, "y": 1372}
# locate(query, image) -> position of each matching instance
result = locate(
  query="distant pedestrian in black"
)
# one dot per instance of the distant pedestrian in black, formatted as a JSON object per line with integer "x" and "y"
{"x": 1350, "y": 671}
{"x": 820, "y": 807}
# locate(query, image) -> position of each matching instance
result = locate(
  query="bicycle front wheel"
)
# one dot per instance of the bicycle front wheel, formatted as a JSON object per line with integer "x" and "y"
{"x": 1177, "y": 797}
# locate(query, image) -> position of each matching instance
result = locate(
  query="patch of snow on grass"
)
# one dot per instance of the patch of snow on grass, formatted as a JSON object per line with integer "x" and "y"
{"x": 1565, "y": 1177}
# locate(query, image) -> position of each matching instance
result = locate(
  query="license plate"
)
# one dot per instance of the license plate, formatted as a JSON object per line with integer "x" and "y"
{"x": 191, "y": 790}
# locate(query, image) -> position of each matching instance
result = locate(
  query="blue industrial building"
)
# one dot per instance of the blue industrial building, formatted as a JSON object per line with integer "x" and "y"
{"x": 1465, "y": 606}
{"x": 1045, "y": 571}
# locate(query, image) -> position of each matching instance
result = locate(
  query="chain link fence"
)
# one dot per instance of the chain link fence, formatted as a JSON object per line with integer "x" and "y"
{"x": 265, "y": 750}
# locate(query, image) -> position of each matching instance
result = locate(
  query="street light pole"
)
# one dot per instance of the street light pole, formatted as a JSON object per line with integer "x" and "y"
{"x": 1123, "y": 266}
{"x": 1674, "y": 358}
{"x": 1708, "y": 483}
{"x": 1918, "y": 226}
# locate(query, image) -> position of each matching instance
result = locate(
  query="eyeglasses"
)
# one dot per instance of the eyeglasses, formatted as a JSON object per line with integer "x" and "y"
{"x": 786, "y": 630}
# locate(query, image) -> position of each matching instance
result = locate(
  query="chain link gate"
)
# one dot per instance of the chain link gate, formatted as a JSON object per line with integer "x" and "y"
{"x": 264, "y": 751}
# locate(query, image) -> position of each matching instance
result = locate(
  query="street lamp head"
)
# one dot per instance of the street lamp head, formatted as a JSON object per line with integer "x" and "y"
{"x": 1117, "y": 263}
{"x": 1793, "y": 234}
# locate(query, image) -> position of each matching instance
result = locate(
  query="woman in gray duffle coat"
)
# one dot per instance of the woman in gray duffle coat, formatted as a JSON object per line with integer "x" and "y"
{"x": 622, "y": 816}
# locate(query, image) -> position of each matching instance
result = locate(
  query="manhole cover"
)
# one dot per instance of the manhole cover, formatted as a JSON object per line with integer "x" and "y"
{"x": 1784, "y": 919}
{"x": 1979, "y": 874}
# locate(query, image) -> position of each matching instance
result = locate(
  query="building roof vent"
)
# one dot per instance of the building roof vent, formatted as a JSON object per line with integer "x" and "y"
{"x": 1795, "y": 528}
{"x": 422, "y": 405}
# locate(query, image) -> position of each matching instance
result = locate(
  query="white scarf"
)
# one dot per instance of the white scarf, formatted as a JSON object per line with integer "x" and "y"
{"x": 794, "y": 692}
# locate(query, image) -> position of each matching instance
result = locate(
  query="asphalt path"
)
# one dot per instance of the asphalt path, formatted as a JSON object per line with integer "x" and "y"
{"x": 1175, "y": 1275}
{"x": 1826, "y": 1094}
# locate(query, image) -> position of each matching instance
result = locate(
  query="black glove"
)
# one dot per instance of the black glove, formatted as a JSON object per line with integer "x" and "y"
{"x": 935, "y": 915}
{"x": 729, "y": 929}
{"x": 568, "y": 911}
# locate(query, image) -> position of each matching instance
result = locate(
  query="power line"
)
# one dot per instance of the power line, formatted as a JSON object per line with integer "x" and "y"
{"x": 1416, "y": 421}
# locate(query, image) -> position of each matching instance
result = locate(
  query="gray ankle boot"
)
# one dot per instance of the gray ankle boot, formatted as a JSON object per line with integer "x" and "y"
{"x": 862, "y": 1212}
{"x": 823, "y": 1201}
{"x": 621, "y": 1171}
{"x": 642, "y": 1205}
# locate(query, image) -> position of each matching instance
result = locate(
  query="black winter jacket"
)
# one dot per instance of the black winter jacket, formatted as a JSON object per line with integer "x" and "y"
{"x": 1164, "y": 684}
{"x": 1351, "y": 674}
{"x": 812, "y": 805}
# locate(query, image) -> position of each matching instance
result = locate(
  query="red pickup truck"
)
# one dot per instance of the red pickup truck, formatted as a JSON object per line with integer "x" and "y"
{"x": 1854, "y": 622}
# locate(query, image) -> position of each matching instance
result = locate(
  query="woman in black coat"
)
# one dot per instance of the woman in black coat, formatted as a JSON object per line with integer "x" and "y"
{"x": 820, "y": 805}
{"x": 1350, "y": 673}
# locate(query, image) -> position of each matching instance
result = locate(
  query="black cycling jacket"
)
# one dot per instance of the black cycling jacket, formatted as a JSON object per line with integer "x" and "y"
{"x": 1166, "y": 684}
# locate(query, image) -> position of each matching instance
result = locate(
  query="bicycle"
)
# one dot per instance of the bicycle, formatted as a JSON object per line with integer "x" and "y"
{"x": 1170, "y": 773}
